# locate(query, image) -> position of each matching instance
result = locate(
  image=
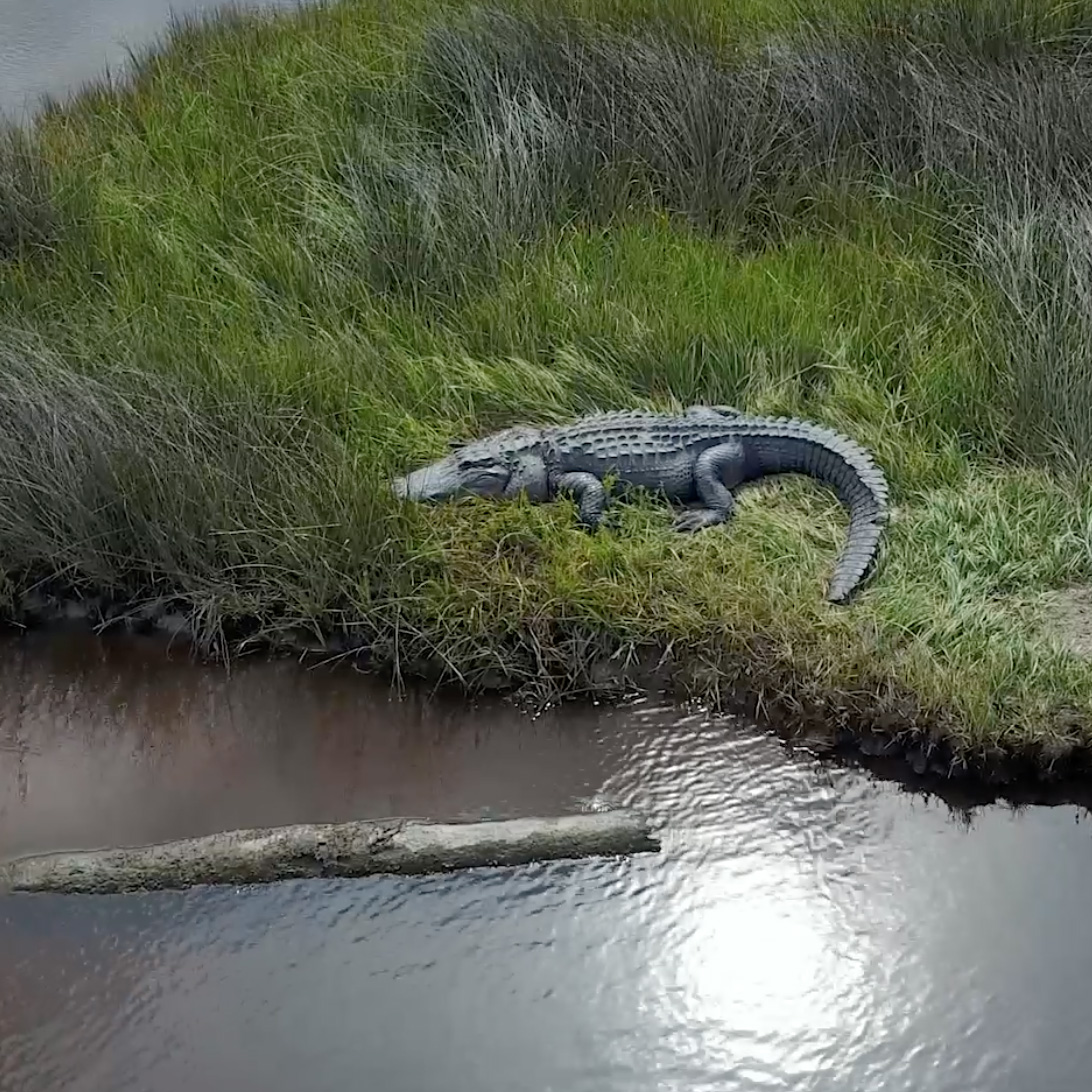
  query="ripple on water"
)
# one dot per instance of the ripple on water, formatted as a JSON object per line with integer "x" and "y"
{"x": 805, "y": 927}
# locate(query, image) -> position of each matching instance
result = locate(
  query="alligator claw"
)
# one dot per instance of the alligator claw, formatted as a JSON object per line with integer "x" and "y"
{"x": 698, "y": 519}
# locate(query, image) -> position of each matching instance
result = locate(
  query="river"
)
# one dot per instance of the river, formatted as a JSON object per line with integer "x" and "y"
{"x": 806, "y": 926}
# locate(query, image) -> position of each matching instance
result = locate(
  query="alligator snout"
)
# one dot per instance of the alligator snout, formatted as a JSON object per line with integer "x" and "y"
{"x": 433, "y": 483}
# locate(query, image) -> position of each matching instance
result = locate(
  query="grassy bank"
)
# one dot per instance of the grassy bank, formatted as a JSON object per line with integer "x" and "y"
{"x": 293, "y": 255}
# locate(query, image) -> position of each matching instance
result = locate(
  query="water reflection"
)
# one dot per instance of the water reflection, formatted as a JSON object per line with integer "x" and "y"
{"x": 107, "y": 742}
{"x": 806, "y": 927}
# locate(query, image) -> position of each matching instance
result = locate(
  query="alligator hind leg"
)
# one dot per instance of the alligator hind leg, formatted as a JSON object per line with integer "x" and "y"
{"x": 589, "y": 493}
{"x": 716, "y": 470}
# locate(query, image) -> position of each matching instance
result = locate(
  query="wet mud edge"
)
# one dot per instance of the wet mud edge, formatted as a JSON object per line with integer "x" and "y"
{"x": 889, "y": 735}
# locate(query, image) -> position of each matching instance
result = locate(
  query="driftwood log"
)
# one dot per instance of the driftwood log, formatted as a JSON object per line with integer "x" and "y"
{"x": 366, "y": 847}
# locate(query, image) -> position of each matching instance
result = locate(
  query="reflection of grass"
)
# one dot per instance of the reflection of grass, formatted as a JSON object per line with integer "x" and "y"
{"x": 299, "y": 253}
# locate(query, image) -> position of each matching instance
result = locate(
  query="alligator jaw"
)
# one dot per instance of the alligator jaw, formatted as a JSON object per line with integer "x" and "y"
{"x": 431, "y": 484}
{"x": 448, "y": 478}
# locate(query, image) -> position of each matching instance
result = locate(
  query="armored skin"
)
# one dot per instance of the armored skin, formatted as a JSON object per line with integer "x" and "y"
{"x": 697, "y": 458}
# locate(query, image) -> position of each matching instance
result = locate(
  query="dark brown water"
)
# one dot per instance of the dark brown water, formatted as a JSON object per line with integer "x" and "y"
{"x": 805, "y": 927}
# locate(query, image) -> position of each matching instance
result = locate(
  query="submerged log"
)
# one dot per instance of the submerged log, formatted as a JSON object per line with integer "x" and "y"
{"x": 362, "y": 848}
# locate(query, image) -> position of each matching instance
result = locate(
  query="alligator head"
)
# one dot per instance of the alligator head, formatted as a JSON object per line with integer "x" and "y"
{"x": 496, "y": 466}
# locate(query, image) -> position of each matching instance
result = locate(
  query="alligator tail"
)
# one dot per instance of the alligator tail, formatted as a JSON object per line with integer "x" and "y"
{"x": 787, "y": 445}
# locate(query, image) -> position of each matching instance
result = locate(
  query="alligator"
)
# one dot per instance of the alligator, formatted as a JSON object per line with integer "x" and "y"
{"x": 696, "y": 458}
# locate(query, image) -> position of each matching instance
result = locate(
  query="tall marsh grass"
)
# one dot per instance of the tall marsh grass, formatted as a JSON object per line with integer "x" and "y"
{"x": 141, "y": 485}
{"x": 979, "y": 117}
{"x": 993, "y": 101}
{"x": 28, "y": 219}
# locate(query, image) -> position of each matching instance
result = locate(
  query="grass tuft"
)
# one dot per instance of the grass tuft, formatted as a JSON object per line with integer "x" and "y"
{"x": 28, "y": 220}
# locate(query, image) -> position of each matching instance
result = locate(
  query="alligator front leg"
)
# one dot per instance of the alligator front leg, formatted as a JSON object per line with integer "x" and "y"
{"x": 716, "y": 470}
{"x": 589, "y": 493}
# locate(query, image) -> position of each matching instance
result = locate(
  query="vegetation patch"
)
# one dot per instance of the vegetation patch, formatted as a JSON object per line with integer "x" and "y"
{"x": 28, "y": 220}
{"x": 296, "y": 254}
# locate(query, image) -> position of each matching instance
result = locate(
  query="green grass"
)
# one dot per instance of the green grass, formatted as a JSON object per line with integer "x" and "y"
{"x": 296, "y": 254}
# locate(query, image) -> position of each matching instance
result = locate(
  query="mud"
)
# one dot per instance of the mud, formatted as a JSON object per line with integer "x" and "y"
{"x": 1069, "y": 618}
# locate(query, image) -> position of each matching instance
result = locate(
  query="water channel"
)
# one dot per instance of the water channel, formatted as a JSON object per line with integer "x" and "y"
{"x": 806, "y": 926}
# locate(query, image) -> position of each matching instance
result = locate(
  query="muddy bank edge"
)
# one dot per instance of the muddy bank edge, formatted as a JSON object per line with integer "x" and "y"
{"x": 892, "y": 729}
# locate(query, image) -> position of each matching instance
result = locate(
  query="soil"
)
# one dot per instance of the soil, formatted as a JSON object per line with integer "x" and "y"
{"x": 1069, "y": 619}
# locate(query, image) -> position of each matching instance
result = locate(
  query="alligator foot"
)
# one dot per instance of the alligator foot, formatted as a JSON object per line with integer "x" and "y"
{"x": 589, "y": 493}
{"x": 698, "y": 519}
{"x": 717, "y": 469}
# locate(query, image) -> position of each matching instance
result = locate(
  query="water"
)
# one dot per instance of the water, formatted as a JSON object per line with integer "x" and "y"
{"x": 805, "y": 927}
{"x": 52, "y": 47}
